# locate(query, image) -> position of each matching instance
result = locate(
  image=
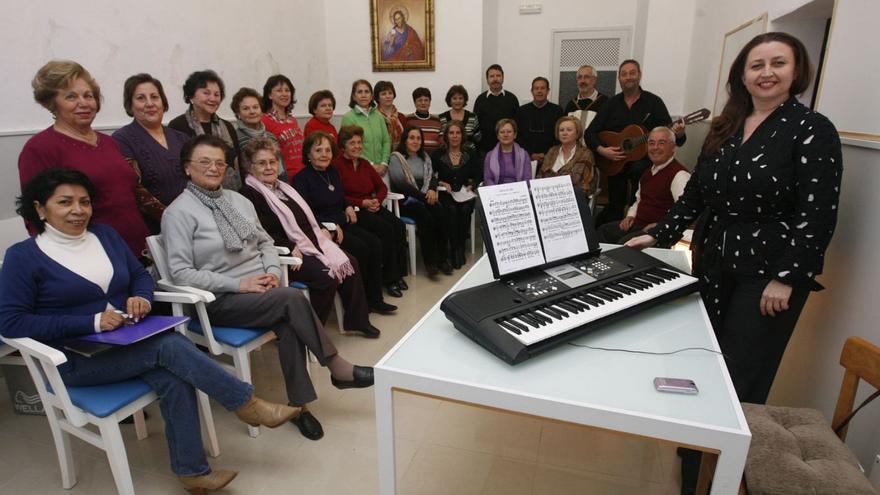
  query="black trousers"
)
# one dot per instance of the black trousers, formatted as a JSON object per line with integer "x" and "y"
{"x": 392, "y": 234}
{"x": 458, "y": 220}
{"x": 622, "y": 190}
{"x": 752, "y": 344}
{"x": 610, "y": 232}
{"x": 323, "y": 288}
{"x": 367, "y": 249}
{"x": 430, "y": 229}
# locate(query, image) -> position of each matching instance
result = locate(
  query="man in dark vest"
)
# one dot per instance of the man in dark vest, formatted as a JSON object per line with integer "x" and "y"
{"x": 659, "y": 187}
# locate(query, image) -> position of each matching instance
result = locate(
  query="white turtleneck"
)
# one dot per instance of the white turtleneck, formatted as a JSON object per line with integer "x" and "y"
{"x": 82, "y": 254}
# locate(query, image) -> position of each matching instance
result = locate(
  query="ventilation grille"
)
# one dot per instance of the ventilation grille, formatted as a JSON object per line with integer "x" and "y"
{"x": 598, "y": 52}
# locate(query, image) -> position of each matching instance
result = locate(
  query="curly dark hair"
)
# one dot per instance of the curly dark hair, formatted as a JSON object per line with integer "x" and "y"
{"x": 42, "y": 186}
{"x": 200, "y": 79}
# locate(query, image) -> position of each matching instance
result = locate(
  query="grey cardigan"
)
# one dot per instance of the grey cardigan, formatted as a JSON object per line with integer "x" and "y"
{"x": 195, "y": 251}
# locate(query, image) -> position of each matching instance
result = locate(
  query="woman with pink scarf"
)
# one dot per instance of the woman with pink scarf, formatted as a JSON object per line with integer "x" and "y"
{"x": 285, "y": 215}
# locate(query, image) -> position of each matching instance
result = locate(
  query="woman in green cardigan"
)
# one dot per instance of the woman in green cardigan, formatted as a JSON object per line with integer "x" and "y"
{"x": 363, "y": 113}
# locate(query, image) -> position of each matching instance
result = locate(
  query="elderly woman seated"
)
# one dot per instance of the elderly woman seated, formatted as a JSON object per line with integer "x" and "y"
{"x": 325, "y": 267}
{"x": 71, "y": 279}
{"x": 214, "y": 241}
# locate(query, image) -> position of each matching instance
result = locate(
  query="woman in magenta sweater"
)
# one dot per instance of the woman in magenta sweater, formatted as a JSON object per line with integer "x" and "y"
{"x": 69, "y": 92}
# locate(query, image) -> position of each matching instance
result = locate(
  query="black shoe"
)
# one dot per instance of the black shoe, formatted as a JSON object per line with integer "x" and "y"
{"x": 402, "y": 285}
{"x": 457, "y": 258}
{"x": 460, "y": 258}
{"x": 383, "y": 308}
{"x": 393, "y": 290}
{"x": 432, "y": 270}
{"x": 363, "y": 377}
{"x": 370, "y": 332}
{"x": 308, "y": 425}
{"x": 446, "y": 268}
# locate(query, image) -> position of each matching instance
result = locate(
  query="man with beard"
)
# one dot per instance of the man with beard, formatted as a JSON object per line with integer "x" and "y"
{"x": 632, "y": 105}
{"x": 494, "y": 105}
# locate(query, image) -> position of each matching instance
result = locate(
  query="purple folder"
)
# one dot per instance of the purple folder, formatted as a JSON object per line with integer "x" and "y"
{"x": 129, "y": 334}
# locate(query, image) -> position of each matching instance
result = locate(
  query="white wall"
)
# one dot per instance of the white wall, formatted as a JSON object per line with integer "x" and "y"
{"x": 459, "y": 41}
{"x": 167, "y": 38}
{"x": 523, "y": 45}
{"x": 524, "y": 41}
{"x": 667, "y": 40}
{"x": 810, "y": 373}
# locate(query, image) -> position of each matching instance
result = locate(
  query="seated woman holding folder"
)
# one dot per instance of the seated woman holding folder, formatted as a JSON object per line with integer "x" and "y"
{"x": 72, "y": 279}
{"x": 214, "y": 241}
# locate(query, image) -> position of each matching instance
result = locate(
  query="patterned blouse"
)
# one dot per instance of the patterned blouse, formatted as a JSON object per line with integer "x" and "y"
{"x": 770, "y": 202}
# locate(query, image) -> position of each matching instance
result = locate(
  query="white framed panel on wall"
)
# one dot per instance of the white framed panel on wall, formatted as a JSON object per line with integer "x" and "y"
{"x": 734, "y": 41}
{"x": 603, "y": 49}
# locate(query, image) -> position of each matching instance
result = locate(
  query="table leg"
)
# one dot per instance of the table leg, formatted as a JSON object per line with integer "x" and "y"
{"x": 385, "y": 432}
{"x": 729, "y": 468}
{"x": 707, "y": 469}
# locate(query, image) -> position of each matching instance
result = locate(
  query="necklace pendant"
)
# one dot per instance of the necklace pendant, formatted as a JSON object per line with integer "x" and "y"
{"x": 330, "y": 186}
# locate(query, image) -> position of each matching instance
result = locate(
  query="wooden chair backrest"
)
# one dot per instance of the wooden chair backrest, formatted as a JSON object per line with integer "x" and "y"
{"x": 861, "y": 359}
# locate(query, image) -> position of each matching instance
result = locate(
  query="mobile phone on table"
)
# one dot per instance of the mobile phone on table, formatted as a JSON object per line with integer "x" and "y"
{"x": 675, "y": 385}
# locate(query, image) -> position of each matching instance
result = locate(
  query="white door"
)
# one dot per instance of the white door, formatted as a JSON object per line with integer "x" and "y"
{"x": 604, "y": 49}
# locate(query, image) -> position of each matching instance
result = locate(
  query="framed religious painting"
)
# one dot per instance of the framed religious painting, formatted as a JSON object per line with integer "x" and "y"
{"x": 402, "y": 33}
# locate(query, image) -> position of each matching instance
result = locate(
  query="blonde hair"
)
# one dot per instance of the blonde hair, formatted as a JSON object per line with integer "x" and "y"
{"x": 502, "y": 122}
{"x": 578, "y": 127}
{"x": 57, "y": 75}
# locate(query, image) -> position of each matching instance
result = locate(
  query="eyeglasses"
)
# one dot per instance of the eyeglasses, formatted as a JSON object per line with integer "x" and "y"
{"x": 205, "y": 163}
{"x": 273, "y": 163}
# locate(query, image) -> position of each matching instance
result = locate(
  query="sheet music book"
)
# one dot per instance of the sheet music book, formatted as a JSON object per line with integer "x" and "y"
{"x": 91, "y": 344}
{"x": 533, "y": 223}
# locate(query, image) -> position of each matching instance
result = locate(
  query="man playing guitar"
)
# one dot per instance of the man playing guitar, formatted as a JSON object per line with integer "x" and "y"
{"x": 632, "y": 105}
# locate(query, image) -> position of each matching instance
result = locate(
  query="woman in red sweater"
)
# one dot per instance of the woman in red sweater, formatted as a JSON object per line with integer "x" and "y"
{"x": 279, "y": 96}
{"x": 364, "y": 189}
{"x": 321, "y": 106}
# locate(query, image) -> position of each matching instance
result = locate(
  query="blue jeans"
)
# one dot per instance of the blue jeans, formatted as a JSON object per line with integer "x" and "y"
{"x": 173, "y": 367}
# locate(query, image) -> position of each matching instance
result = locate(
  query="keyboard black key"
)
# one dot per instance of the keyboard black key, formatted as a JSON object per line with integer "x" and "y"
{"x": 520, "y": 326}
{"x": 541, "y": 316}
{"x": 508, "y": 325}
{"x": 552, "y": 311}
{"x": 636, "y": 283}
{"x": 531, "y": 320}
{"x": 568, "y": 306}
{"x": 622, "y": 288}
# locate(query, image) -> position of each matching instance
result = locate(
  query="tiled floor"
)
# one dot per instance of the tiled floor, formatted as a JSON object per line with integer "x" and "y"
{"x": 442, "y": 447}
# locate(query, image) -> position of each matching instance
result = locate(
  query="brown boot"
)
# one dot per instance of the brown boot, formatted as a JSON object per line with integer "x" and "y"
{"x": 215, "y": 480}
{"x": 258, "y": 412}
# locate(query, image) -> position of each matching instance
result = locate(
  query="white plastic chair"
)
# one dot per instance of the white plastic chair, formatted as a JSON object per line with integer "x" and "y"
{"x": 70, "y": 409}
{"x": 232, "y": 341}
{"x": 392, "y": 203}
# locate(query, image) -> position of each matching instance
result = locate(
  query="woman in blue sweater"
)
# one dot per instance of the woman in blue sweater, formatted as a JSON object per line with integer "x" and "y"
{"x": 75, "y": 279}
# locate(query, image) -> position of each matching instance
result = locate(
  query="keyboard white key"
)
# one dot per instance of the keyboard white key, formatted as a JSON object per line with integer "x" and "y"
{"x": 574, "y": 320}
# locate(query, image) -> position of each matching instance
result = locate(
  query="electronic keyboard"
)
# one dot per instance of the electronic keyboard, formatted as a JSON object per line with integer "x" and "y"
{"x": 537, "y": 310}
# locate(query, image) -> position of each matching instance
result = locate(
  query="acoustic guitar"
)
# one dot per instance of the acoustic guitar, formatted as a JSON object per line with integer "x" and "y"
{"x": 633, "y": 141}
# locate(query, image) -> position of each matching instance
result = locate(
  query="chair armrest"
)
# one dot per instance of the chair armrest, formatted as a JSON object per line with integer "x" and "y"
{"x": 290, "y": 260}
{"x": 282, "y": 250}
{"x": 176, "y": 297}
{"x": 38, "y": 349}
{"x": 204, "y": 295}
{"x": 393, "y": 196}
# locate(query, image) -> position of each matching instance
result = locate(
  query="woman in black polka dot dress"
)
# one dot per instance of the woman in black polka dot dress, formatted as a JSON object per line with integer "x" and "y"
{"x": 768, "y": 182}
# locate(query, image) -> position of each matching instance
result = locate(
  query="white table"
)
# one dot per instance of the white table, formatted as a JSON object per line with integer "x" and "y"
{"x": 602, "y": 389}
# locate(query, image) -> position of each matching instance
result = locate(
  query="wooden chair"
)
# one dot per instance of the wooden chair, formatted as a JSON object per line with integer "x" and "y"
{"x": 794, "y": 450}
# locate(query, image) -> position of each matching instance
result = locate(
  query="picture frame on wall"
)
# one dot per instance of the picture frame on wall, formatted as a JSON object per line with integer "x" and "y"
{"x": 402, "y": 35}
